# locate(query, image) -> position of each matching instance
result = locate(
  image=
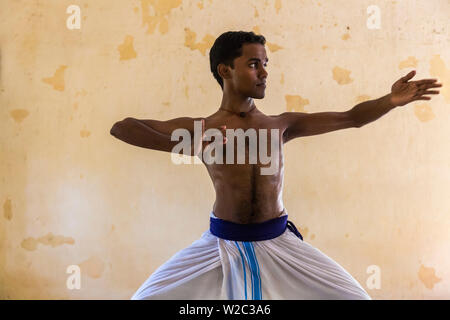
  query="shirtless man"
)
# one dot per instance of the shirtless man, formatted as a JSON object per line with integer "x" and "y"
{"x": 243, "y": 195}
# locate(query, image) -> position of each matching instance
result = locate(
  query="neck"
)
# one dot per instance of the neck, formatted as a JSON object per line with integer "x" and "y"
{"x": 236, "y": 104}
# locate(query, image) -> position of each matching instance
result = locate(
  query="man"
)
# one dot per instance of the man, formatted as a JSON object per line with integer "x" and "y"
{"x": 251, "y": 251}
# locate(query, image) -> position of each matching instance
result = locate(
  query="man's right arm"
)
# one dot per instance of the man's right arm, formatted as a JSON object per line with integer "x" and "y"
{"x": 152, "y": 134}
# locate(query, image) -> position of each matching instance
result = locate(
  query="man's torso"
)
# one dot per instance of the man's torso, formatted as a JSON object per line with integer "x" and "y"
{"x": 243, "y": 194}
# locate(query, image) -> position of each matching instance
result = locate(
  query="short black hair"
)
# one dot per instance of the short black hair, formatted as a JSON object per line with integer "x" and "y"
{"x": 227, "y": 47}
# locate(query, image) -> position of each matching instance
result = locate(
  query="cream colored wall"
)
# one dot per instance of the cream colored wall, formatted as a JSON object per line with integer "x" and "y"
{"x": 72, "y": 194}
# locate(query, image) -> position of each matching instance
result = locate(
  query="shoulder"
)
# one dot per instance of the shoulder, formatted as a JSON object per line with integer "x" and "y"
{"x": 282, "y": 120}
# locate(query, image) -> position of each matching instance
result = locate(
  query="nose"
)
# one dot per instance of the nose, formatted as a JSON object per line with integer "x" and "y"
{"x": 263, "y": 73}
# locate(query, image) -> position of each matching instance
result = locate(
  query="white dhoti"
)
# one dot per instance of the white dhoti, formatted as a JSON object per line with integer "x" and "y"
{"x": 220, "y": 268}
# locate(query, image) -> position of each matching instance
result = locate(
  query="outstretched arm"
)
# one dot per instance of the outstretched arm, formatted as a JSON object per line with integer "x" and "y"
{"x": 402, "y": 93}
{"x": 298, "y": 124}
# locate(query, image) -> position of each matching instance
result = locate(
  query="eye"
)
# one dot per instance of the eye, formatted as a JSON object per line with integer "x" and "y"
{"x": 254, "y": 63}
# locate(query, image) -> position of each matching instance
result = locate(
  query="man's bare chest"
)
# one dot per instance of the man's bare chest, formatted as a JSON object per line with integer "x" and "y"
{"x": 253, "y": 145}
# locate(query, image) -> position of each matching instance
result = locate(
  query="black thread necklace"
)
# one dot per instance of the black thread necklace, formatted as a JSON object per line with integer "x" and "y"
{"x": 241, "y": 114}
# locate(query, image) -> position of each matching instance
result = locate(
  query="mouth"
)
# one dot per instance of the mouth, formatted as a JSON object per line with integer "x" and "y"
{"x": 261, "y": 85}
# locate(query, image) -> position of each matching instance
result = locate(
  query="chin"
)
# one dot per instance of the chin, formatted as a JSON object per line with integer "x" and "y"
{"x": 258, "y": 95}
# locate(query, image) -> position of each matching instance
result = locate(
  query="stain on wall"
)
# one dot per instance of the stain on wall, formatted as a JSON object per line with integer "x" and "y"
{"x": 190, "y": 41}
{"x": 341, "y": 75}
{"x": 19, "y": 114}
{"x": 126, "y": 49}
{"x": 423, "y": 112}
{"x": 92, "y": 267}
{"x": 50, "y": 239}
{"x": 410, "y": 62}
{"x": 295, "y": 103}
{"x": 57, "y": 81}
{"x": 427, "y": 276}
{"x": 7, "y": 209}
{"x": 439, "y": 69}
{"x": 156, "y": 13}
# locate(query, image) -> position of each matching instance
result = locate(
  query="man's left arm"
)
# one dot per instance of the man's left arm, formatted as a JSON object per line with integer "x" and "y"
{"x": 402, "y": 93}
{"x": 297, "y": 124}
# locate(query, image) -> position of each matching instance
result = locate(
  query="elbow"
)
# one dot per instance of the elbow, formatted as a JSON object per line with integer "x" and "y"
{"x": 116, "y": 128}
{"x": 354, "y": 120}
{"x": 113, "y": 131}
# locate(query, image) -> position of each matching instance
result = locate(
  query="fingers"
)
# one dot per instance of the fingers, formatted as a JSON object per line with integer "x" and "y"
{"x": 425, "y": 81}
{"x": 424, "y": 91}
{"x": 421, "y": 93}
{"x": 437, "y": 85}
{"x": 207, "y": 143}
{"x": 422, "y": 88}
{"x": 223, "y": 130}
{"x": 431, "y": 92}
{"x": 409, "y": 76}
{"x": 423, "y": 85}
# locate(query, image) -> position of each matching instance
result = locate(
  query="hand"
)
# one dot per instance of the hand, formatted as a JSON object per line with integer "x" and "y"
{"x": 403, "y": 92}
{"x": 201, "y": 144}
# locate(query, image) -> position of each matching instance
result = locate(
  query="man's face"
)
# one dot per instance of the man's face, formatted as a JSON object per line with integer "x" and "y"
{"x": 250, "y": 71}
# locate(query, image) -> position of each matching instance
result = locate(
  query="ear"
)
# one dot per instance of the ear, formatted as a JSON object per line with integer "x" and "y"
{"x": 224, "y": 71}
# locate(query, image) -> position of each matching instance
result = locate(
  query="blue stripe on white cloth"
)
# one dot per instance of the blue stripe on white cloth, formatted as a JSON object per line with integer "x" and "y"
{"x": 254, "y": 268}
{"x": 259, "y": 273}
{"x": 243, "y": 267}
{"x": 252, "y": 276}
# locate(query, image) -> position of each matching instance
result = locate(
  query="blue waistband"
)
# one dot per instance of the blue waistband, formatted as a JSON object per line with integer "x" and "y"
{"x": 252, "y": 232}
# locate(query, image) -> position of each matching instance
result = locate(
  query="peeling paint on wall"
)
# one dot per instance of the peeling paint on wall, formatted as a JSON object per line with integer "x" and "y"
{"x": 85, "y": 133}
{"x": 93, "y": 267}
{"x": 295, "y": 103}
{"x": 31, "y": 243}
{"x": 273, "y": 47}
{"x": 57, "y": 81}
{"x": 256, "y": 14}
{"x": 126, "y": 49}
{"x": 428, "y": 276}
{"x": 156, "y": 13}
{"x": 19, "y": 114}
{"x": 410, "y": 62}
{"x": 278, "y": 6}
{"x": 362, "y": 98}
{"x": 205, "y": 44}
{"x": 439, "y": 69}
{"x": 342, "y": 76}
{"x": 7, "y": 209}
{"x": 423, "y": 112}
{"x": 345, "y": 36}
